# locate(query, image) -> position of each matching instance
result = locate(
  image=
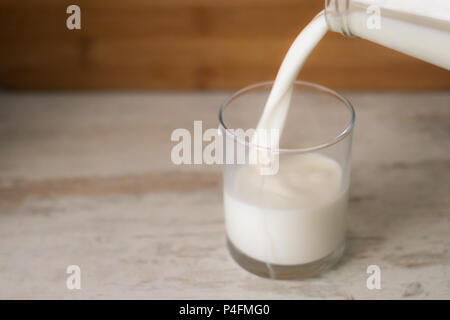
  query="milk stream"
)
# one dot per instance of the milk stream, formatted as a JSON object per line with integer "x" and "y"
{"x": 298, "y": 215}
{"x": 277, "y": 105}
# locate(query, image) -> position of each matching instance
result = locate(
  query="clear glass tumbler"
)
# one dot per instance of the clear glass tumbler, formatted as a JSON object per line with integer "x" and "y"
{"x": 289, "y": 224}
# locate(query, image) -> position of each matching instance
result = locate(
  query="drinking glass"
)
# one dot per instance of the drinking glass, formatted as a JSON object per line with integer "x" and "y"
{"x": 289, "y": 223}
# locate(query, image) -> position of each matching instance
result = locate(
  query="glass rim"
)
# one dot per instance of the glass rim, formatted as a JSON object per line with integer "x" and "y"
{"x": 337, "y": 138}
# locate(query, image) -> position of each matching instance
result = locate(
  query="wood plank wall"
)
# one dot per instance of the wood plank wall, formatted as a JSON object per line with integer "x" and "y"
{"x": 186, "y": 44}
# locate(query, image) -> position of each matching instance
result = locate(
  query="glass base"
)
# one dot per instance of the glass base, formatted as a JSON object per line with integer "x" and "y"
{"x": 284, "y": 272}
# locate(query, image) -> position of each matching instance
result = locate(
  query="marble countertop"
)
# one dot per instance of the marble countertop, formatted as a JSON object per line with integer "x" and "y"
{"x": 86, "y": 179}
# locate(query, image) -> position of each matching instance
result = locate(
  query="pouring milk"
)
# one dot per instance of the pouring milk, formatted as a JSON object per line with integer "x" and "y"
{"x": 287, "y": 221}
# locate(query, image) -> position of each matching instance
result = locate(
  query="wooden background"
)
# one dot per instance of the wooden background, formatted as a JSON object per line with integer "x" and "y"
{"x": 186, "y": 44}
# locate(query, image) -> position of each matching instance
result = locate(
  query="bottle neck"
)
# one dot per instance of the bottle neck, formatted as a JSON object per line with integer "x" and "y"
{"x": 336, "y": 14}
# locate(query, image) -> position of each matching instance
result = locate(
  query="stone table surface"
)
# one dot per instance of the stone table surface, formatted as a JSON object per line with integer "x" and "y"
{"x": 86, "y": 179}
